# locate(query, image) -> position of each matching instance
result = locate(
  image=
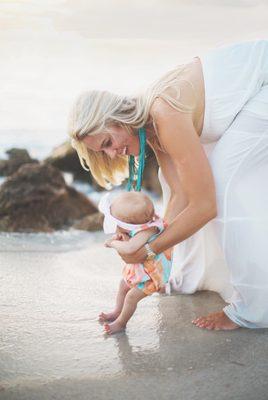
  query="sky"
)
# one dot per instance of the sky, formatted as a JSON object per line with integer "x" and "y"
{"x": 53, "y": 50}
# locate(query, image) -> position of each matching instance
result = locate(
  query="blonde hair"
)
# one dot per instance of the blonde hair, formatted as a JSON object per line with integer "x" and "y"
{"x": 95, "y": 111}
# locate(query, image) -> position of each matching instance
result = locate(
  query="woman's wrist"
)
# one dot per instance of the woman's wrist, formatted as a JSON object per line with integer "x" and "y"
{"x": 154, "y": 247}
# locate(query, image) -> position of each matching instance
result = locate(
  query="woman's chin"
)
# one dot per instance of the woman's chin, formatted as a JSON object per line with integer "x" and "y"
{"x": 136, "y": 153}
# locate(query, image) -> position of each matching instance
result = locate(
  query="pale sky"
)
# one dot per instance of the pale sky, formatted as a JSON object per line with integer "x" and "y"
{"x": 53, "y": 49}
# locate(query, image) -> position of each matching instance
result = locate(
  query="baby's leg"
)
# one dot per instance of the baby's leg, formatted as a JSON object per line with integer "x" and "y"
{"x": 121, "y": 294}
{"x": 132, "y": 298}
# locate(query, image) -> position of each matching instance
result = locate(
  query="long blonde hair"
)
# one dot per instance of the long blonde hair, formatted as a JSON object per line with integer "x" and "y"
{"x": 95, "y": 111}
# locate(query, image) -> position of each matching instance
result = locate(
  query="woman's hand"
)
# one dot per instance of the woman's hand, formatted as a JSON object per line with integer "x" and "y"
{"x": 138, "y": 256}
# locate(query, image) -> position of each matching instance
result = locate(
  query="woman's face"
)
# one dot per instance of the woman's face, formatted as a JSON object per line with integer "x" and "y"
{"x": 116, "y": 141}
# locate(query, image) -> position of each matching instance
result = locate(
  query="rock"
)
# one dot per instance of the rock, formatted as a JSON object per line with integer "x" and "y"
{"x": 17, "y": 157}
{"x": 66, "y": 159}
{"x": 37, "y": 199}
{"x": 92, "y": 222}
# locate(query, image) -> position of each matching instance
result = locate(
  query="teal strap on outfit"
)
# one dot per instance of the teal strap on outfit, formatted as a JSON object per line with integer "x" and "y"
{"x": 136, "y": 174}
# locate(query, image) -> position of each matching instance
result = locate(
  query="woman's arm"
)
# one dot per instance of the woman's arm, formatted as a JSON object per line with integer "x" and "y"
{"x": 182, "y": 144}
{"x": 177, "y": 200}
{"x": 172, "y": 209}
{"x": 195, "y": 179}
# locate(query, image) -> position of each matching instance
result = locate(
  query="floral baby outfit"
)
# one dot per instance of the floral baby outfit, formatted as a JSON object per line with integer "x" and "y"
{"x": 152, "y": 275}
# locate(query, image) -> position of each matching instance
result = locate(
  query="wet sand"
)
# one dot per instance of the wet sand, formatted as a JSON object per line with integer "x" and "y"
{"x": 53, "y": 347}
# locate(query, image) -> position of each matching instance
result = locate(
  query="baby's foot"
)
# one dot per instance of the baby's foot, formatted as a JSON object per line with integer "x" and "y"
{"x": 108, "y": 316}
{"x": 114, "y": 327}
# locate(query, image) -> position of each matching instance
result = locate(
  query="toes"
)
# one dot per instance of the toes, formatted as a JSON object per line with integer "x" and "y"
{"x": 217, "y": 321}
{"x": 196, "y": 320}
{"x": 204, "y": 322}
{"x": 102, "y": 317}
{"x": 200, "y": 324}
{"x": 107, "y": 328}
{"x": 199, "y": 321}
{"x": 210, "y": 325}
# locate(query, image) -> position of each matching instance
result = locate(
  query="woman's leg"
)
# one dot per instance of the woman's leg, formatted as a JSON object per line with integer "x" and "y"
{"x": 239, "y": 163}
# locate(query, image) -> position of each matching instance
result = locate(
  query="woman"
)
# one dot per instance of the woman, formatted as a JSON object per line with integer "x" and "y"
{"x": 207, "y": 122}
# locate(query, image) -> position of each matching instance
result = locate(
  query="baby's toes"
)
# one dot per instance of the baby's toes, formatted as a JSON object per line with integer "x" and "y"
{"x": 102, "y": 317}
{"x": 107, "y": 328}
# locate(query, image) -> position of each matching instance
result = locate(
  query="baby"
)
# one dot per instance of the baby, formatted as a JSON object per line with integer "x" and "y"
{"x": 132, "y": 217}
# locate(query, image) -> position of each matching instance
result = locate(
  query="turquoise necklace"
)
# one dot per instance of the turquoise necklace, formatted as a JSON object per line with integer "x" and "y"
{"x": 136, "y": 173}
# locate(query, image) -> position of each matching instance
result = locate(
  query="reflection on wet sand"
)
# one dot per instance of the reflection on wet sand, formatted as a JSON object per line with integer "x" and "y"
{"x": 51, "y": 339}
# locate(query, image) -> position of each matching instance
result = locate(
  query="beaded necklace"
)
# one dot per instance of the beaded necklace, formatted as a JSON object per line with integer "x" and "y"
{"x": 136, "y": 172}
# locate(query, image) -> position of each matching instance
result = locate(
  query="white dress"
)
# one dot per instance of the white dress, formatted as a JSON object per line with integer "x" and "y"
{"x": 229, "y": 255}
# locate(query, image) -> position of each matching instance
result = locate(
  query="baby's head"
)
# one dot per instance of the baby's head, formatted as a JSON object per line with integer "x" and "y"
{"x": 133, "y": 208}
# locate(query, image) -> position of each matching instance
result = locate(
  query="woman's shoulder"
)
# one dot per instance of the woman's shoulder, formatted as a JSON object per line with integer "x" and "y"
{"x": 190, "y": 95}
{"x": 164, "y": 115}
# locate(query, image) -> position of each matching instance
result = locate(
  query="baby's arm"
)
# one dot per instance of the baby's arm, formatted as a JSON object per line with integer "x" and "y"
{"x": 134, "y": 243}
{"x": 120, "y": 236}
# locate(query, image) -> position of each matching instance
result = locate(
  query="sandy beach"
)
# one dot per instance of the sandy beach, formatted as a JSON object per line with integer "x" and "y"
{"x": 53, "y": 347}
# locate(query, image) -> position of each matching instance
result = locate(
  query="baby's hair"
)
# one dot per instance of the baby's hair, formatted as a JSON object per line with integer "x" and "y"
{"x": 133, "y": 208}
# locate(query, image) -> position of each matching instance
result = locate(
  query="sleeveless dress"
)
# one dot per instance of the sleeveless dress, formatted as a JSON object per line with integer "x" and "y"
{"x": 229, "y": 254}
{"x": 153, "y": 275}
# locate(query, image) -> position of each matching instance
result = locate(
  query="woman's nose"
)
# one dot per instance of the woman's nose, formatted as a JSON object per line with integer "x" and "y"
{"x": 110, "y": 152}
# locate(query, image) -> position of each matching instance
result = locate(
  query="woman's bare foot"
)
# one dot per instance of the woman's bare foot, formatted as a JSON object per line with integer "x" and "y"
{"x": 114, "y": 327}
{"x": 217, "y": 321}
{"x": 108, "y": 316}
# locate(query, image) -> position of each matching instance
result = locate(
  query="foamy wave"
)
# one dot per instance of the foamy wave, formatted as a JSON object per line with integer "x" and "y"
{"x": 60, "y": 241}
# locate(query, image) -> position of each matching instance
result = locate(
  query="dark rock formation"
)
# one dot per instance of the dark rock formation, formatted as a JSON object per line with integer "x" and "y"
{"x": 66, "y": 159}
{"x": 17, "y": 157}
{"x": 92, "y": 222}
{"x": 36, "y": 199}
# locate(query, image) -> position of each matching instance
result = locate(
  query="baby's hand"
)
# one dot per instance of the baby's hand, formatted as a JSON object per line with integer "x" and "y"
{"x": 108, "y": 242}
{"x": 123, "y": 247}
{"x": 122, "y": 237}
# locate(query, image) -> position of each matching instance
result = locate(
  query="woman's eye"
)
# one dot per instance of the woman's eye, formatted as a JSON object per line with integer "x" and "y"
{"x": 108, "y": 143}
